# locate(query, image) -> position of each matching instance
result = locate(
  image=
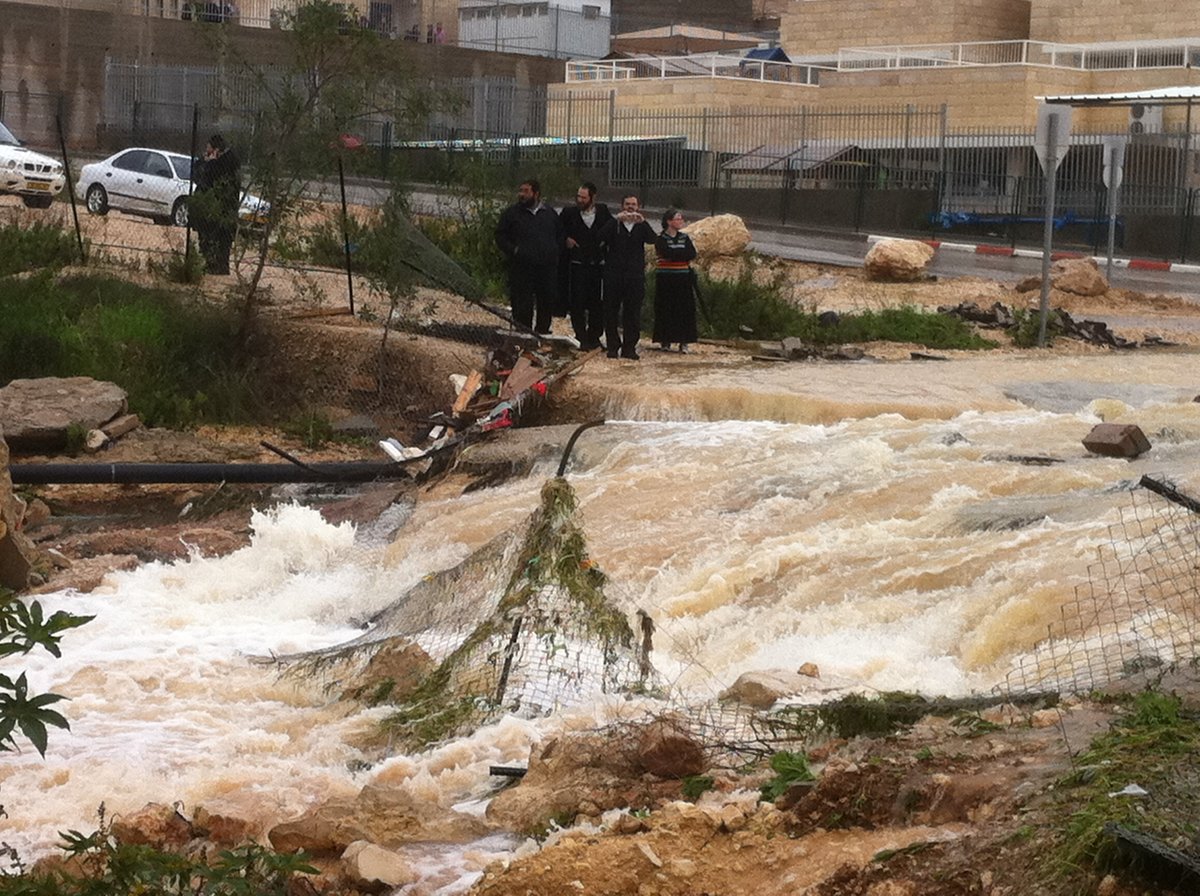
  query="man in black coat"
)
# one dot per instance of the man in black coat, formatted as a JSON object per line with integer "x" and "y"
{"x": 531, "y": 238}
{"x": 582, "y": 224}
{"x": 213, "y": 207}
{"x": 624, "y": 239}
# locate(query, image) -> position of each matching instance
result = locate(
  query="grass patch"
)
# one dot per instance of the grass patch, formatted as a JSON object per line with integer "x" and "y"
{"x": 31, "y": 247}
{"x": 745, "y": 308}
{"x": 1153, "y": 746}
{"x": 179, "y": 361}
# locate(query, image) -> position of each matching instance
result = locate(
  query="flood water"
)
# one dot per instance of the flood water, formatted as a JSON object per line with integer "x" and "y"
{"x": 872, "y": 518}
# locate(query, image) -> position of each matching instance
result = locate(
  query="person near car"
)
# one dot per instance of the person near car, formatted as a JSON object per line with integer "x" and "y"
{"x": 213, "y": 208}
{"x": 530, "y": 236}
{"x": 674, "y": 285}
{"x": 623, "y": 240}
{"x": 582, "y": 224}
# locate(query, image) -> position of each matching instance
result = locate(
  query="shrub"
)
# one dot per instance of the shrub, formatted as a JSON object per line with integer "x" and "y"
{"x": 28, "y": 247}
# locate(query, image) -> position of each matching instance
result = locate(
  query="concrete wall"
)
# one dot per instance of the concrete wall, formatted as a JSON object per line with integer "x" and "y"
{"x": 1073, "y": 21}
{"x": 814, "y": 27}
{"x": 634, "y": 15}
{"x": 52, "y": 60}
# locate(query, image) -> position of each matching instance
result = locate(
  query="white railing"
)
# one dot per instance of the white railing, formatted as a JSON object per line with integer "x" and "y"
{"x": 1081, "y": 57}
{"x": 699, "y": 65}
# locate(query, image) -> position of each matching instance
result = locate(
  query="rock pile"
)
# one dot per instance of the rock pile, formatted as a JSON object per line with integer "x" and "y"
{"x": 44, "y": 414}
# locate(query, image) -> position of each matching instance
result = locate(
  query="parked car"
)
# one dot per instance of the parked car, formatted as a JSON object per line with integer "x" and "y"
{"x": 36, "y": 178}
{"x": 152, "y": 182}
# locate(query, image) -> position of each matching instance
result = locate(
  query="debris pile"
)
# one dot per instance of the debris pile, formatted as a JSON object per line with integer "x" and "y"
{"x": 1000, "y": 317}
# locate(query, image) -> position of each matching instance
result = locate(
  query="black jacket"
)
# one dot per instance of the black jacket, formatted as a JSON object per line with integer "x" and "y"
{"x": 626, "y": 254}
{"x": 588, "y": 251}
{"x": 529, "y": 238}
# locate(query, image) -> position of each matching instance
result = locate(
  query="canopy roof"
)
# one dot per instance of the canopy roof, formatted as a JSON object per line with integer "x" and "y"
{"x": 1160, "y": 96}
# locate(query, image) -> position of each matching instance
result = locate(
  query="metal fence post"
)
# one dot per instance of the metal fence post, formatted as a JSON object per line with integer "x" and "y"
{"x": 385, "y": 150}
{"x": 62, "y": 145}
{"x": 612, "y": 124}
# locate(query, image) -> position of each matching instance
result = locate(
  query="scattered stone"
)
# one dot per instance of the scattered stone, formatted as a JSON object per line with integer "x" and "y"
{"x": 37, "y": 513}
{"x": 829, "y": 318}
{"x": 96, "y": 439}
{"x": 922, "y": 356}
{"x": 399, "y": 665}
{"x": 898, "y": 260}
{"x": 156, "y": 825}
{"x": 667, "y": 750}
{"x": 120, "y": 426}
{"x": 223, "y": 830}
{"x": 17, "y": 554}
{"x": 1029, "y": 284}
{"x": 365, "y": 863}
{"x": 809, "y": 670}
{"x": 1116, "y": 440}
{"x": 762, "y": 689}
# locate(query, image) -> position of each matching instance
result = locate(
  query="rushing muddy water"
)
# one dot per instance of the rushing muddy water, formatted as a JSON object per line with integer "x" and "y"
{"x": 873, "y": 519}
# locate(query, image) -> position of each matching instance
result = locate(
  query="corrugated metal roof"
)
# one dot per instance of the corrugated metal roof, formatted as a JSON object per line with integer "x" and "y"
{"x": 1160, "y": 96}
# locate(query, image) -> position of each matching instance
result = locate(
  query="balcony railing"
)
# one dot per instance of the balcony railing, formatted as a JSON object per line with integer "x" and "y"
{"x": 1079, "y": 57}
{"x": 699, "y": 65}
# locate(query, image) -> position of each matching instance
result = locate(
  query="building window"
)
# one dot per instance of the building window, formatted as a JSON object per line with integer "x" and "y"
{"x": 591, "y": 12}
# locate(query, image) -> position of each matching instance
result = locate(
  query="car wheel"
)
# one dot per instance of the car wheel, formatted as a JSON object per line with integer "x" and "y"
{"x": 97, "y": 200}
{"x": 37, "y": 201}
{"x": 179, "y": 215}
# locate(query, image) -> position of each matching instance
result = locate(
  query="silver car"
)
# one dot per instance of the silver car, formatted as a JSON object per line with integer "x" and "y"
{"x": 151, "y": 182}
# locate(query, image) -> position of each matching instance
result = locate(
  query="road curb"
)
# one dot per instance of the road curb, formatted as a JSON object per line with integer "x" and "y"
{"x": 1137, "y": 264}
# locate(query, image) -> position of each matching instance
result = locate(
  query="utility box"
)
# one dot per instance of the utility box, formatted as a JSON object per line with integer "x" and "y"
{"x": 1116, "y": 440}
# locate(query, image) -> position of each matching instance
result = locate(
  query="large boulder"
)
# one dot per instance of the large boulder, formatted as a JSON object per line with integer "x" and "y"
{"x": 1078, "y": 276}
{"x": 16, "y": 552}
{"x": 898, "y": 260}
{"x": 762, "y": 689}
{"x": 719, "y": 236}
{"x": 36, "y": 415}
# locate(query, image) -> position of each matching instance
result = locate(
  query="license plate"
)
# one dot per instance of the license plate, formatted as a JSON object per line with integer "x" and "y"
{"x": 36, "y": 185}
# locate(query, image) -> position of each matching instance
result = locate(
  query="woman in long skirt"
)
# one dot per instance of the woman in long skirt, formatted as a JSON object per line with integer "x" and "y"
{"x": 674, "y": 294}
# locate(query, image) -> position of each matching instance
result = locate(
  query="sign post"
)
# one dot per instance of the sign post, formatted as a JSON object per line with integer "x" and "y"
{"x": 1114, "y": 169}
{"x": 1053, "y": 128}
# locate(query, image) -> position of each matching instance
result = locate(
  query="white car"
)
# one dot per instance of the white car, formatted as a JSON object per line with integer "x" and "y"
{"x": 36, "y": 178}
{"x": 151, "y": 182}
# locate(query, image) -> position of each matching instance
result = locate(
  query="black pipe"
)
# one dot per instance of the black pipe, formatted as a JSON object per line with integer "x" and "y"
{"x": 103, "y": 474}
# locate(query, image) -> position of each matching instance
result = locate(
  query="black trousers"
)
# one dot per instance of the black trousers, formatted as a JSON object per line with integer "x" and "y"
{"x": 587, "y": 304}
{"x": 623, "y": 297}
{"x": 216, "y": 242}
{"x": 533, "y": 288}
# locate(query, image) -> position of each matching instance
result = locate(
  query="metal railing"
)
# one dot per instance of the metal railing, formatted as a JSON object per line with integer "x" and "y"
{"x": 1078, "y": 57}
{"x": 699, "y": 65}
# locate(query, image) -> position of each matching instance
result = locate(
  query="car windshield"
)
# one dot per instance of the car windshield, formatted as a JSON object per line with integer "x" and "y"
{"x": 7, "y": 138}
{"x": 183, "y": 167}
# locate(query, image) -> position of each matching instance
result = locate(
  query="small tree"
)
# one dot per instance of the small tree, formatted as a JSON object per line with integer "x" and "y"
{"x": 337, "y": 79}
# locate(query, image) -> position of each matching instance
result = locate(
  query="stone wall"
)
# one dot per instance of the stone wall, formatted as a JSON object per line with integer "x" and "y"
{"x": 1112, "y": 20}
{"x": 816, "y": 27}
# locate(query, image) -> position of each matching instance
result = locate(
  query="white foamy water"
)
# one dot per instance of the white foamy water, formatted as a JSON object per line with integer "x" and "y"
{"x": 867, "y": 518}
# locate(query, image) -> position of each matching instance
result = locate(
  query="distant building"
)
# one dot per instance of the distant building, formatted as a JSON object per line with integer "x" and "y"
{"x": 566, "y": 29}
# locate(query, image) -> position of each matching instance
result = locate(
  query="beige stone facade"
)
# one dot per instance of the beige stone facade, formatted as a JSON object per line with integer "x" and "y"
{"x": 1000, "y": 95}
{"x": 1095, "y": 21}
{"x": 822, "y": 27}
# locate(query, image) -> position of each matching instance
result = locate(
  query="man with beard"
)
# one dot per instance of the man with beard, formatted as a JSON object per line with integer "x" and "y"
{"x": 530, "y": 236}
{"x": 582, "y": 224}
{"x": 624, "y": 239}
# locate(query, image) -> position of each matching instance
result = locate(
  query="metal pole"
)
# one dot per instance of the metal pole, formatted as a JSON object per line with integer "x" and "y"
{"x": 1048, "y": 229}
{"x": 346, "y": 233}
{"x": 62, "y": 144}
{"x": 1114, "y": 185}
{"x": 187, "y": 233}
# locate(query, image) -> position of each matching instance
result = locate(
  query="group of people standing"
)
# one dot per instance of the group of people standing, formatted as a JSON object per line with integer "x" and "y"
{"x": 589, "y": 264}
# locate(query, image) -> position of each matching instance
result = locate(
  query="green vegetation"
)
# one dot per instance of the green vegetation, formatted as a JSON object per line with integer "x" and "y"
{"x": 790, "y": 768}
{"x": 31, "y": 247}
{"x": 179, "y": 360}
{"x": 695, "y": 785}
{"x": 99, "y": 865}
{"x": 1154, "y": 746}
{"x": 23, "y": 628}
{"x": 1028, "y": 325}
{"x": 748, "y": 309}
